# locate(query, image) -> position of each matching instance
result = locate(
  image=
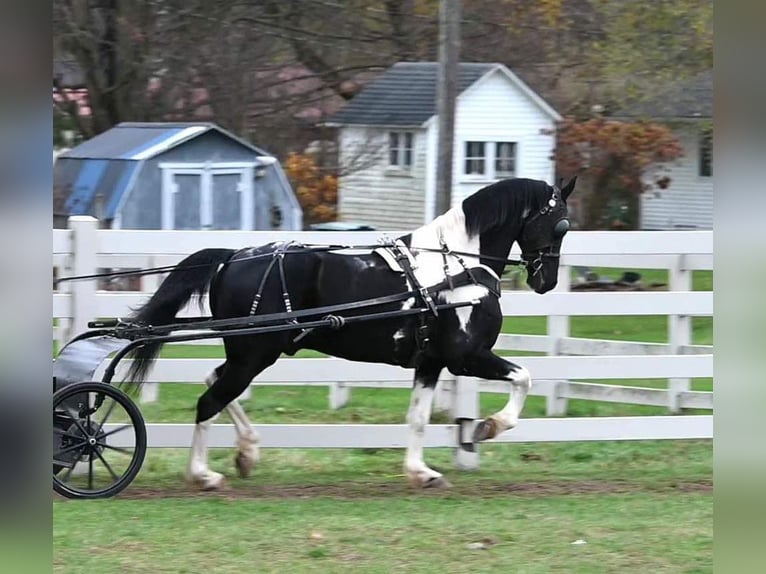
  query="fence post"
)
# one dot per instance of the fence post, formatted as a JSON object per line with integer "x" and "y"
{"x": 340, "y": 394}
{"x": 247, "y": 393}
{"x": 466, "y": 407}
{"x": 558, "y": 328}
{"x": 679, "y": 330}
{"x": 150, "y": 393}
{"x": 84, "y": 249}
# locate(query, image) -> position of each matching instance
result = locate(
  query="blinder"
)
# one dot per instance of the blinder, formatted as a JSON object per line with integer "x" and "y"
{"x": 538, "y": 229}
{"x": 561, "y": 227}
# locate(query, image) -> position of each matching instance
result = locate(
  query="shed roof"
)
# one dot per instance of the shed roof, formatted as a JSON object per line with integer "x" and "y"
{"x": 85, "y": 180}
{"x": 140, "y": 141}
{"x": 405, "y": 94}
{"x": 685, "y": 98}
{"x": 106, "y": 165}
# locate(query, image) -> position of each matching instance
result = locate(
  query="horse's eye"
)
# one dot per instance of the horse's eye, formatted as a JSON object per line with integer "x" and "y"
{"x": 561, "y": 228}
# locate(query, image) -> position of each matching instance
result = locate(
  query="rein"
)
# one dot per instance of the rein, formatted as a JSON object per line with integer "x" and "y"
{"x": 302, "y": 250}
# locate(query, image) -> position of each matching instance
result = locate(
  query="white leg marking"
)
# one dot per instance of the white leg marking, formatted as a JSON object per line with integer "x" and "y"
{"x": 248, "y": 439}
{"x": 521, "y": 383}
{"x": 417, "y": 417}
{"x": 198, "y": 471}
{"x": 248, "y": 449}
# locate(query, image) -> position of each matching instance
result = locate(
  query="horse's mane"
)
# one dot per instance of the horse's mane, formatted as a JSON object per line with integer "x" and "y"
{"x": 491, "y": 206}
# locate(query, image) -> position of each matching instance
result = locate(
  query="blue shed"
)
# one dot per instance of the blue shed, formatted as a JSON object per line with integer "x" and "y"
{"x": 174, "y": 176}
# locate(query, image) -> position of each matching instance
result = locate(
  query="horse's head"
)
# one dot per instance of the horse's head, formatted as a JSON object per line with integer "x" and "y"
{"x": 541, "y": 236}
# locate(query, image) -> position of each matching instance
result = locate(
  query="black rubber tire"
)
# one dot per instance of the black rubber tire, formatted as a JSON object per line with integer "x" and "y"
{"x": 137, "y": 421}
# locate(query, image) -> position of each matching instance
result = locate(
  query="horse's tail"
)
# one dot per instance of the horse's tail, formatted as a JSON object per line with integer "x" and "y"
{"x": 191, "y": 277}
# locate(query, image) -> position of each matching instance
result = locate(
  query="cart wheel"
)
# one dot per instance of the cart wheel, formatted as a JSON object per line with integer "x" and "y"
{"x": 99, "y": 440}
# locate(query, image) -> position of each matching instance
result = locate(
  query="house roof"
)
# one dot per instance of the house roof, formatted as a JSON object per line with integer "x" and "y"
{"x": 140, "y": 141}
{"x": 686, "y": 98}
{"x": 405, "y": 94}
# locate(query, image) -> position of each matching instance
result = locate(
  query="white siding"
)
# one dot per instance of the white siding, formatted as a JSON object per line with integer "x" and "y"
{"x": 495, "y": 110}
{"x": 688, "y": 200}
{"x": 375, "y": 194}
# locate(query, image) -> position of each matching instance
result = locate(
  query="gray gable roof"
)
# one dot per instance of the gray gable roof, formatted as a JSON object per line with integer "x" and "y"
{"x": 142, "y": 140}
{"x": 404, "y": 95}
{"x": 686, "y": 98}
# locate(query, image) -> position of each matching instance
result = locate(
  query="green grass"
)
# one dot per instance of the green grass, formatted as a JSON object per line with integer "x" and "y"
{"x": 623, "y": 533}
{"x": 640, "y": 506}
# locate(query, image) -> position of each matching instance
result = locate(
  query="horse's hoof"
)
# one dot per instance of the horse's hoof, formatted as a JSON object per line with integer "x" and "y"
{"x": 437, "y": 482}
{"x": 244, "y": 464}
{"x": 485, "y": 430}
{"x": 210, "y": 482}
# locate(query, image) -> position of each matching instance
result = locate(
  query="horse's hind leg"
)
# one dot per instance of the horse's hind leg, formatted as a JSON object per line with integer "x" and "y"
{"x": 225, "y": 384}
{"x": 248, "y": 451}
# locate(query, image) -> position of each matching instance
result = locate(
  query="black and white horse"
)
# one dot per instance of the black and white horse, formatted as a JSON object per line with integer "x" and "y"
{"x": 486, "y": 224}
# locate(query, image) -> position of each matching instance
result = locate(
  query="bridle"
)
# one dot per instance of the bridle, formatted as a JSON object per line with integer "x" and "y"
{"x": 534, "y": 256}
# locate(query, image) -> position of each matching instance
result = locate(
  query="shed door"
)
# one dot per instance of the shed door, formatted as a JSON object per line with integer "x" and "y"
{"x": 187, "y": 198}
{"x": 231, "y": 202}
{"x": 209, "y": 197}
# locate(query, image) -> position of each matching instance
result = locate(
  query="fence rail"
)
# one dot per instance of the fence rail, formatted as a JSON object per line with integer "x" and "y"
{"x": 85, "y": 249}
{"x": 168, "y": 435}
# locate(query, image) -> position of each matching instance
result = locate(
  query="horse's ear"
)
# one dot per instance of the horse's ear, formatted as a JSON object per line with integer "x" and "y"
{"x": 567, "y": 190}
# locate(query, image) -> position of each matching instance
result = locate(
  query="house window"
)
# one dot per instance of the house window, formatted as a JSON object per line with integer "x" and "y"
{"x": 400, "y": 149}
{"x": 505, "y": 159}
{"x": 493, "y": 160}
{"x": 475, "y": 158}
{"x": 706, "y": 154}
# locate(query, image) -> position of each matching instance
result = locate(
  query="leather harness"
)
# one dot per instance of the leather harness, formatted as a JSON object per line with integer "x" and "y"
{"x": 402, "y": 255}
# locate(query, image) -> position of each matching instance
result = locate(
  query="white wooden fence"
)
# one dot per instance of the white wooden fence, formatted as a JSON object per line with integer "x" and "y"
{"x": 85, "y": 249}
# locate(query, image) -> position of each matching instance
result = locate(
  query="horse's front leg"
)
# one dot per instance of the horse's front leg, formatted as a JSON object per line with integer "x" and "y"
{"x": 487, "y": 365}
{"x": 418, "y": 417}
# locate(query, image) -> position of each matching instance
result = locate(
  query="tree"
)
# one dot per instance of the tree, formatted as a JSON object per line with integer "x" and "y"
{"x": 646, "y": 45}
{"x": 316, "y": 192}
{"x": 612, "y": 156}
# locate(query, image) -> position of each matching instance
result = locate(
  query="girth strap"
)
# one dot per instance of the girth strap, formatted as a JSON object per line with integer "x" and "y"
{"x": 277, "y": 257}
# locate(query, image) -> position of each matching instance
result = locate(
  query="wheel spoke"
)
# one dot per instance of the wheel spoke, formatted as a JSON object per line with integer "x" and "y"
{"x": 75, "y": 418}
{"x": 70, "y": 448}
{"x": 65, "y": 434}
{"x": 68, "y": 472}
{"x": 106, "y": 464}
{"x": 90, "y": 471}
{"x": 117, "y": 448}
{"x": 118, "y": 429}
{"x": 106, "y": 416}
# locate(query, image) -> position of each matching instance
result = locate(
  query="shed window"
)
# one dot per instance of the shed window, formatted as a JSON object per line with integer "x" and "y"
{"x": 475, "y": 158}
{"x": 400, "y": 149}
{"x": 706, "y": 154}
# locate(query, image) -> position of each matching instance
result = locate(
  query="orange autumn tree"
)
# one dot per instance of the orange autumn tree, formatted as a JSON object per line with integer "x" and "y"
{"x": 612, "y": 156}
{"x": 317, "y": 192}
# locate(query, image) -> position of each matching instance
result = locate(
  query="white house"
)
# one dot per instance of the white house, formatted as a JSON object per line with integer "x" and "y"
{"x": 388, "y": 141}
{"x": 687, "y": 201}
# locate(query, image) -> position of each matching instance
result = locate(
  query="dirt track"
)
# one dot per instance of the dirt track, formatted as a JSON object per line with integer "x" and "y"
{"x": 355, "y": 490}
